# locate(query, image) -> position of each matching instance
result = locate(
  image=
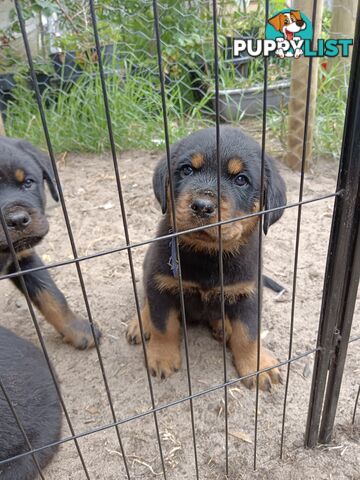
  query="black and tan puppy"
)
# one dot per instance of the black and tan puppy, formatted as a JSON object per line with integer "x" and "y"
{"x": 30, "y": 388}
{"x": 194, "y": 173}
{"x": 23, "y": 170}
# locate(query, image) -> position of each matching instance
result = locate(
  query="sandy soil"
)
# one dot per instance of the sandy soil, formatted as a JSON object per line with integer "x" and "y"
{"x": 92, "y": 201}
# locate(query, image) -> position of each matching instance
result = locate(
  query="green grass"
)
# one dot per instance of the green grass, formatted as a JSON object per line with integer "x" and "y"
{"x": 330, "y": 113}
{"x": 77, "y": 122}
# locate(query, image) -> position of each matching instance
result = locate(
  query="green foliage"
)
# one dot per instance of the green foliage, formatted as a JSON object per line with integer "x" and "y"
{"x": 76, "y": 116}
{"x": 326, "y": 24}
{"x": 330, "y": 110}
{"x": 330, "y": 113}
{"x": 241, "y": 23}
{"x": 77, "y": 121}
{"x": 276, "y": 6}
{"x": 9, "y": 60}
{"x": 229, "y": 77}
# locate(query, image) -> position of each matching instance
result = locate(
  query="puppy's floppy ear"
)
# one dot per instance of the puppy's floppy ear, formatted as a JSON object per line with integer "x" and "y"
{"x": 296, "y": 13}
{"x": 44, "y": 163}
{"x": 277, "y": 21}
{"x": 161, "y": 182}
{"x": 275, "y": 193}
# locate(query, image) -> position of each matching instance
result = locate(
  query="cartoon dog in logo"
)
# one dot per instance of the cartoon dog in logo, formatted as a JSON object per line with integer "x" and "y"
{"x": 288, "y": 24}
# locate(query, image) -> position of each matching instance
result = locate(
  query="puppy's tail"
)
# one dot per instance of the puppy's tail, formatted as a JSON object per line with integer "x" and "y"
{"x": 270, "y": 283}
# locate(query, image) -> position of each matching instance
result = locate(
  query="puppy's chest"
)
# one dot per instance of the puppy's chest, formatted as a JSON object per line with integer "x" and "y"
{"x": 202, "y": 281}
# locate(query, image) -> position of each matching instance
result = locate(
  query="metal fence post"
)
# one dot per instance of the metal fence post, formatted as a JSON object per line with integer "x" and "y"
{"x": 342, "y": 271}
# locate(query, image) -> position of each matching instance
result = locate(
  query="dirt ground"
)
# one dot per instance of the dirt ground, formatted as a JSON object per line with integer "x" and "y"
{"x": 92, "y": 202}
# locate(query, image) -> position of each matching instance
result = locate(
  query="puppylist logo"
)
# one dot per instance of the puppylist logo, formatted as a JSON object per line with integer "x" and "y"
{"x": 289, "y": 33}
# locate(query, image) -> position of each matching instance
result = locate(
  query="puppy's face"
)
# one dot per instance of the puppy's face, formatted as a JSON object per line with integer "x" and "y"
{"x": 194, "y": 173}
{"x": 293, "y": 23}
{"x": 22, "y": 198}
{"x": 195, "y": 186}
{"x": 288, "y": 23}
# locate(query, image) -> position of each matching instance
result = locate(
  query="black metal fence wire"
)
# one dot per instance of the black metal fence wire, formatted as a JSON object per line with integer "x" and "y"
{"x": 220, "y": 257}
{"x": 297, "y": 239}
{"x": 342, "y": 273}
{"x": 116, "y": 422}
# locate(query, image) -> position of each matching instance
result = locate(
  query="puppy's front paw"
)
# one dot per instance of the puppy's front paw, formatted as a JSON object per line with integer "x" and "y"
{"x": 244, "y": 350}
{"x": 163, "y": 360}
{"x": 78, "y": 332}
{"x": 133, "y": 332}
{"x": 246, "y": 365}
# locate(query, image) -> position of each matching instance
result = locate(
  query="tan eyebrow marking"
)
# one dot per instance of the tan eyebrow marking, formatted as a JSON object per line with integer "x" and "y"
{"x": 197, "y": 160}
{"x": 235, "y": 166}
{"x": 20, "y": 175}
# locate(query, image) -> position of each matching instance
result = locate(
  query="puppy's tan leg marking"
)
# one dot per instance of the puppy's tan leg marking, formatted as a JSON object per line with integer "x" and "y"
{"x": 244, "y": 351}
{"x": 217, "y": 329}
{"x": 73, "y": 329}
{"x": 133, "y": 332}
{"x": 163, "y": 350}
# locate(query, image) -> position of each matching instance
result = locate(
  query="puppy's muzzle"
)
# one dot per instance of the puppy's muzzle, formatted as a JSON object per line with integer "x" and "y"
{"x": 18, "y": 219}
{"x": 204, "y": 205}
{"x": 26, "y": 225}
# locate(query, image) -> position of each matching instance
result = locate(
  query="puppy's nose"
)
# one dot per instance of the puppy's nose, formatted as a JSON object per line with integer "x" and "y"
{"x": 204, "y": 207}
{"x": 18, "y": 219}
{"x": 300, "y": 23}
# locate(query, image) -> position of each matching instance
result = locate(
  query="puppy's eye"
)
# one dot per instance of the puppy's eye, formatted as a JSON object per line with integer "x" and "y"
{"x": 286, "y": 21}
{"x": 241, "y": 180}
{"x": 186, "y": 170}
{"x": 28, "y": 183}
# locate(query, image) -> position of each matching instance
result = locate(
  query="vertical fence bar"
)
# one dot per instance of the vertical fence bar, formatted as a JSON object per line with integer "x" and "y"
{"x": 355, "y": 406}
{"x": 173, "y": 212}
{"x": 338, "y": 362}
{"x": 220, "y": 256}
{"x": 125, "y": 224}
{"x": 41, "y": 340}
{"x": 260, "y": 234}
{"x": 298, "y": 232}
{"x": 342, "y": 270}
{"x": 21, "y": 428}
{"x": 67, "y": 222}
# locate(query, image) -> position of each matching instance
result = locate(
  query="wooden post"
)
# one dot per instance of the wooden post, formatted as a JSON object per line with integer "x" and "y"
{"x": 342, "y": 26}
{"x": 2, "y": 127}
{"x": 343, "y": 19}
{"x": 298, "y": 93}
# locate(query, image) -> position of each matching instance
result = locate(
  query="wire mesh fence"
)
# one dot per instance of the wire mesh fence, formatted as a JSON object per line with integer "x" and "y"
{"x": 114, "y": 76}
{"x": 66, "y": 67}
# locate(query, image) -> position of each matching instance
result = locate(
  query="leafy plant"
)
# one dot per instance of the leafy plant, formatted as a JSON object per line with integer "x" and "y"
{"x": 77, "y": 121}
{"x": 326, "y": 24}
{"x": 330, "y": 113}
{"x": 237, "y": 23}
{"x": 230, "y": 78}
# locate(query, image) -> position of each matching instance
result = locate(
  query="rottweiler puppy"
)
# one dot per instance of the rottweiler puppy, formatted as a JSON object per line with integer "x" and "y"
{"x": 194, "y": 174}
{"x": 30, "y": 388}
{"x": 23, "y": 169}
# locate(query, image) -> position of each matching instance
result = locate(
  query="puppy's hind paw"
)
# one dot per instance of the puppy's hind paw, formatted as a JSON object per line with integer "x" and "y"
{"x": 217, "y": 330}
{"x": 133, "y": 332}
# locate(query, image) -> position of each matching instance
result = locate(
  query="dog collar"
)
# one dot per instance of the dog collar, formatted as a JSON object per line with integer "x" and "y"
{"x": 173, "y": 260}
